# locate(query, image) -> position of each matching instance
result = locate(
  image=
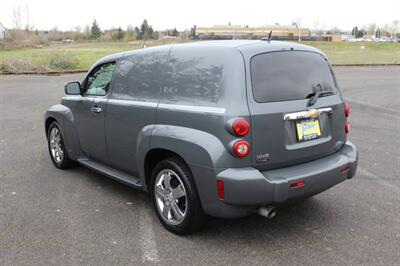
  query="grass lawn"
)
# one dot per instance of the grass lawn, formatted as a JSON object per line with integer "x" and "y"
{"x": 80, "y": 56}
{"x": 351, "y": 52}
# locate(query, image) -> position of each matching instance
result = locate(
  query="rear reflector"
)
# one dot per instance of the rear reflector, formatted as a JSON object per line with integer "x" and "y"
{"x": 297, "y": 184}
{"x": 347, "y": 127}
{"x": 346, "y": 109}
{"x": 344, "y": 170}
{"x": 221, "y": 189}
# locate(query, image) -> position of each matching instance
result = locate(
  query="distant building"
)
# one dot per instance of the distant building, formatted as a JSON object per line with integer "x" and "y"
{"x": 246, "y": 32}
{"x": 3, "y": 32}
{"x": 336, "y": 37}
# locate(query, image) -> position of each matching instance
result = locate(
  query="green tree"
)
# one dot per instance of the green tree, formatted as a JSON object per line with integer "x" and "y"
{"x": 193, "y": 32}
{"x": 120, "y": 34}
{"x": 138, "y": 33}
{"x": 144, "y": 28}
{"x": 150, "y": 33}
{"x": 378, "y": 33}
{"x": 357, "y": 33}
{"x": 354, "y": 31}
{"x": 146, "y": 31}
{"x": 95, "y": 31}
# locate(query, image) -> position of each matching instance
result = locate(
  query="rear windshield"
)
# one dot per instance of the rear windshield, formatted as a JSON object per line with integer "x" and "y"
{"x": 289, "y": 75}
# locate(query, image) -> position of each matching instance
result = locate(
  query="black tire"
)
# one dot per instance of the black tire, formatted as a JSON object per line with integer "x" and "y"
{"x": 66, "y": 162}
{"x": 194, "y": 217}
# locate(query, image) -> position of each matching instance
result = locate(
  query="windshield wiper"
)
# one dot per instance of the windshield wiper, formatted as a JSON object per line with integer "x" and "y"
{"x": 314, "y": 95}
{"x": 318, "y": 91}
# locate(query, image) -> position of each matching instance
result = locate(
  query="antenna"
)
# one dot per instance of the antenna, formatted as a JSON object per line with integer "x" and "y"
{"x": 269, "y": 36}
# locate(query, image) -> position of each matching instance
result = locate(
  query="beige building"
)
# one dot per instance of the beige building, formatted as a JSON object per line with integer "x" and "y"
{"x": 238, "y": 31}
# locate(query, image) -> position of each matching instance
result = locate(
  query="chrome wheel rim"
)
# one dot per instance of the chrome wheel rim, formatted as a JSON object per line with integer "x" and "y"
{"x": 170, "y": 196}
{"x": 56, "y": 147}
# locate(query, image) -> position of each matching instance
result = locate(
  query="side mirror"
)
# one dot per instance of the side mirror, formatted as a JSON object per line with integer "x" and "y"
{"x": 73, "y": 88}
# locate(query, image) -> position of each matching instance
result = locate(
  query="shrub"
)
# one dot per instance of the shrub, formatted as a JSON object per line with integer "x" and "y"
{"x": 19, "y": 65}
{"x": 62, "y": 62}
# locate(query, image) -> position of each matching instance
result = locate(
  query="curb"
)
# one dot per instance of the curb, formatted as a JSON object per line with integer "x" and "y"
{"x": 44, "y": 72}
{"x": 364, "y": 65}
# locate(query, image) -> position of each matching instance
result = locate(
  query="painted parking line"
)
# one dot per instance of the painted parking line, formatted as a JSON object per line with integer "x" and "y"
{"x": 148, "y": 244}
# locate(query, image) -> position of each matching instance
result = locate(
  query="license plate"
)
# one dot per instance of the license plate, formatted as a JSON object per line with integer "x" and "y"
{"x": 308, "y": 129}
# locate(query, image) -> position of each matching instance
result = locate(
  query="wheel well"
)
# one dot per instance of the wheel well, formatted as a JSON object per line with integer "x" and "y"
{"x": 155, "y": 156}
{"x": 48, "y": 123}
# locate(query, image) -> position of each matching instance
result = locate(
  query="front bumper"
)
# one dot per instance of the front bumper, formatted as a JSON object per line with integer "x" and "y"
{"x": 251, "y": 187}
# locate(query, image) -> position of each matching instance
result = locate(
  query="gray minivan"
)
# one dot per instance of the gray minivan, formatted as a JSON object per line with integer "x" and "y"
{"x": 219, "y": 128}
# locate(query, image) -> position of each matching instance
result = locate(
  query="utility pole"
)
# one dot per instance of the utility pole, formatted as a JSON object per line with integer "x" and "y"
{"x": 299, "y": 34}
{"x": 299, "y": 28}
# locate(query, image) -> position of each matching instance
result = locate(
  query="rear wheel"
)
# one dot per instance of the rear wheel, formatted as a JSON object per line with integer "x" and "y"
{"x": 175, "y": 197}
{"x": 56, "y": 146}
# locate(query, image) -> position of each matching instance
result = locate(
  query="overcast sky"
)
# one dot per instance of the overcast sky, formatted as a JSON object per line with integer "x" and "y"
{"x": 163, "y": 14}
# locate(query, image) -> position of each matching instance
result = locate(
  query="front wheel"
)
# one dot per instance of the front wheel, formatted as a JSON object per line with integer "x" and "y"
{"x": 175, "y": 197}
{"x": 56, "y": 146}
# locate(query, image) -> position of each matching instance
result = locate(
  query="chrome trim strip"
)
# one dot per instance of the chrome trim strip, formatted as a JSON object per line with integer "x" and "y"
{"x": 178, "y": 107}
{"x": 307, "y": 114}
{"x": 131, "y": 102}
{"x": 191, "y": 108}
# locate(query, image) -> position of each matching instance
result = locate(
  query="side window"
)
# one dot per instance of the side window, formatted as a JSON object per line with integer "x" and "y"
{"x": 99, "y": 80}
{"x": 139, "y": 76}
{"x": 194, "y": 77}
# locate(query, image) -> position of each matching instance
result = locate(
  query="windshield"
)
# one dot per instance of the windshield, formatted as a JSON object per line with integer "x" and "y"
{"x": 289, "y": 75}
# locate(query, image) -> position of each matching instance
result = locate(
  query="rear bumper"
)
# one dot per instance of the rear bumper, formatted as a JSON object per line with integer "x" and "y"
{"x": 252, "y": 188}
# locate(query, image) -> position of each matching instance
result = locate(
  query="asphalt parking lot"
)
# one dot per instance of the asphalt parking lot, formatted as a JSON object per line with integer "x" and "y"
{"x": 50, "y": 216}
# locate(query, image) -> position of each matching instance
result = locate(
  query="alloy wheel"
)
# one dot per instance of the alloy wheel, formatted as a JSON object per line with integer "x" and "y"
{"x": 170, "y": 196}
{"x": 56, "y": 146}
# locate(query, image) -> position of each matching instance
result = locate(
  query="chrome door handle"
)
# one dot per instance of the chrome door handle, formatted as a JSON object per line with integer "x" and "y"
{"x": 95, "y": 109}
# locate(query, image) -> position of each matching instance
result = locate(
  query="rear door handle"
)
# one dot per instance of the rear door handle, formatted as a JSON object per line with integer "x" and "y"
{"x": 95, "y": 109}
{"x": 307, "y": 114}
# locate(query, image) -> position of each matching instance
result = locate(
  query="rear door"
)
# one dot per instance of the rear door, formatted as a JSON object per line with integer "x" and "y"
{"x": 285, "y": 129}
{"x": 131, "y": 110}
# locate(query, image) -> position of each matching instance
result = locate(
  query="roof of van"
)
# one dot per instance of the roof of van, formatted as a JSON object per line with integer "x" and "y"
{"x": 247, "y": 47}
{"x": 251, "y": 46}
{"x": 243, "y": 44}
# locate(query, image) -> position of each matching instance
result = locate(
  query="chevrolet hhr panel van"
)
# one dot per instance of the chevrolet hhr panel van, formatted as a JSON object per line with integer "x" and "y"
{"x": 220, "y": 128}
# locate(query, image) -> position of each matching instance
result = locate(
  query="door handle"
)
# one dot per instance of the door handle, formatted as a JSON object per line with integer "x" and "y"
{"x": 95, "y": 109}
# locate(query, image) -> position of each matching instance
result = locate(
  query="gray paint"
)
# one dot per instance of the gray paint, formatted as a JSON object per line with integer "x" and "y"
{"x": 132, "y": 105}
{"x": 184, "y": 99}
{"x": 90, "y": 126}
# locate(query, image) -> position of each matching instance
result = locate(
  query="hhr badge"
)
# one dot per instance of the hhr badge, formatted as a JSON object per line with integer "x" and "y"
{"x": 262, "y": 158}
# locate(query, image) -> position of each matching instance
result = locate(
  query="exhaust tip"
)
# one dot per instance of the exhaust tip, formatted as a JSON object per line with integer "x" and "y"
{"x": 272, "y": 214}
{"x": 268, "y": 212}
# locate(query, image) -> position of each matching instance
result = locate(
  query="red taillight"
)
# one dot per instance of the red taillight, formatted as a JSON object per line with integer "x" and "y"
{"x": 221, "y": 189}
{"x": 347, "y": 127}
{"x": 297, "y": 184}
{"x": 241, "y": 127}
{"x": 241, "y": 148}
{"x": 346, "y": 109}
